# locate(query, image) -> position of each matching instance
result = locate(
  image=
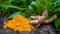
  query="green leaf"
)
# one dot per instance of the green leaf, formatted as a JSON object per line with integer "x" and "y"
{"x": 16, "y": 13}
{"x": 41, "y": 5}
{"x": 57, "y": 22}
{"x": 22, "y": 13}
{"x": 23, "y": 1}
{"x": 6, "y": 6}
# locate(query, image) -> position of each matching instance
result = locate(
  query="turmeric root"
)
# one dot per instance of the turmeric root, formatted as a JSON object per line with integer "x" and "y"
{"x": 37, "y": 20}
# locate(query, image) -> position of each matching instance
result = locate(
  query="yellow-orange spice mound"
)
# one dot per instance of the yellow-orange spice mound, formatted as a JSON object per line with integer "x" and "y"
{"x": 18, "y": 23}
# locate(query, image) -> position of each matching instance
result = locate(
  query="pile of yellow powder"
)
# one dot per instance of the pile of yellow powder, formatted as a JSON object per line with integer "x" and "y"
{"x": 18, "y": 23}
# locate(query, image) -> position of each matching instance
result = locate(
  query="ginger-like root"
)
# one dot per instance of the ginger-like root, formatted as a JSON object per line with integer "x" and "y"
{"x": 37, "y": 20}
{"x": 51, "y": 19}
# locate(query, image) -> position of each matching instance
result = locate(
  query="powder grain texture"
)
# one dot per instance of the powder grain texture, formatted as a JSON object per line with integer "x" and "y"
{"x": 18, "y": 23}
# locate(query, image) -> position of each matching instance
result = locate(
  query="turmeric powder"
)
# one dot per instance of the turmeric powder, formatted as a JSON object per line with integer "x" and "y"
{"x": 18, "y": 23}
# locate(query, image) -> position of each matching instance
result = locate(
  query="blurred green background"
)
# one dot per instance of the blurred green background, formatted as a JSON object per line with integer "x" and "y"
{"x": 26, "y": 8}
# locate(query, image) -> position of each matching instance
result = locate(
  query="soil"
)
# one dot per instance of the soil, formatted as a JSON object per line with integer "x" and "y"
{"x": 43, "y": 29}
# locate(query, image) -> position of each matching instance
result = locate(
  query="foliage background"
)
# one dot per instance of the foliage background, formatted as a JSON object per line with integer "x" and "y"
{"x": 26, "y": 8}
